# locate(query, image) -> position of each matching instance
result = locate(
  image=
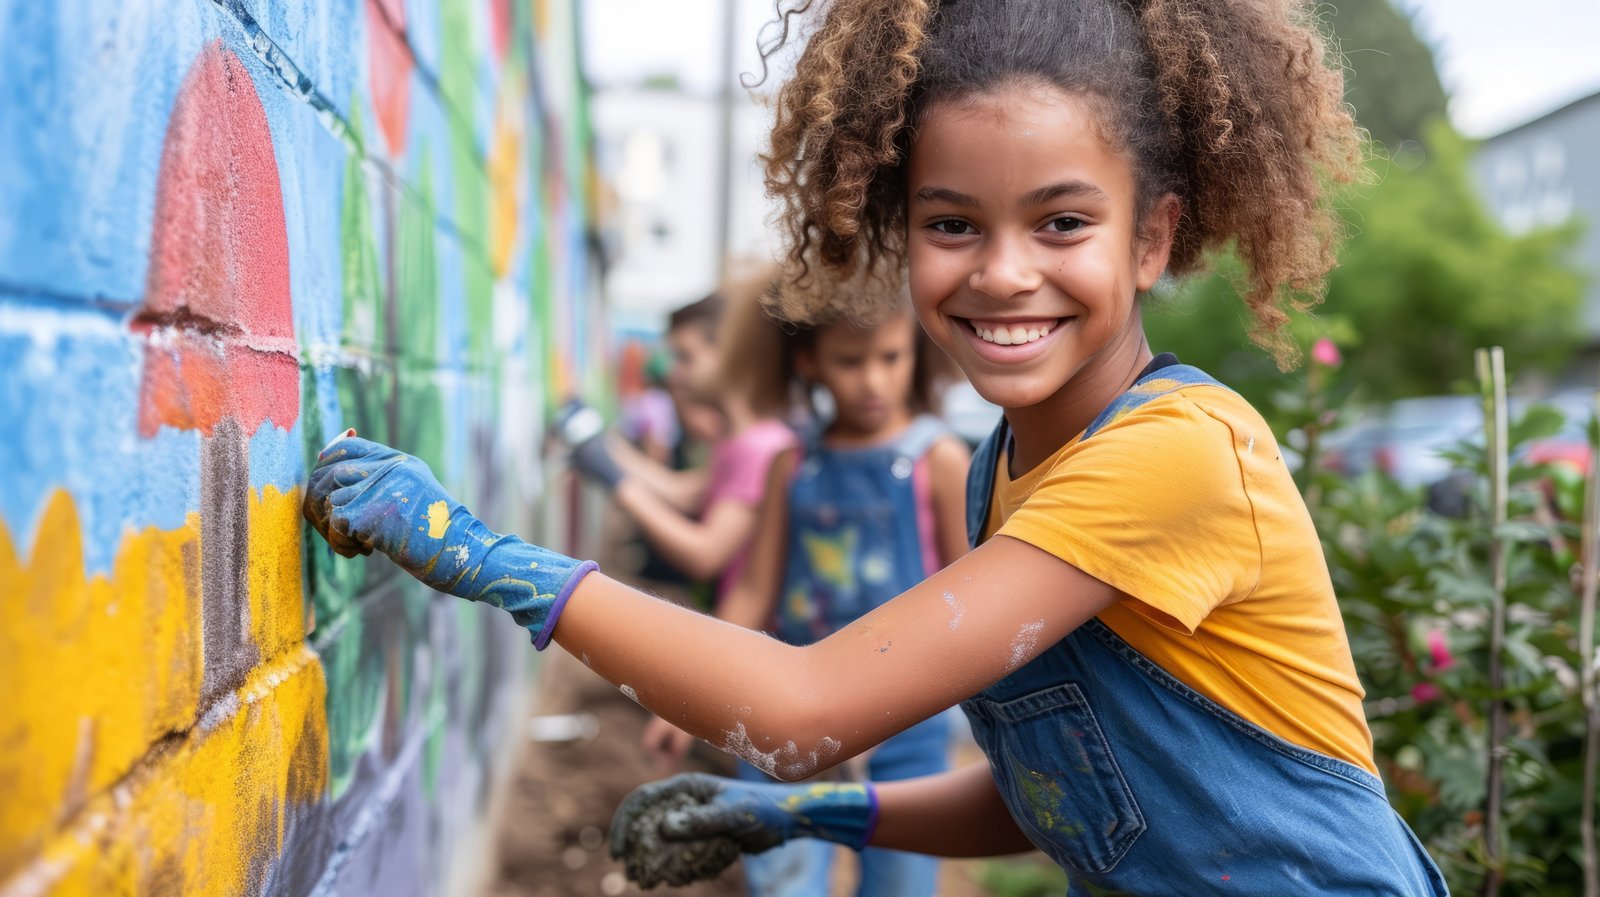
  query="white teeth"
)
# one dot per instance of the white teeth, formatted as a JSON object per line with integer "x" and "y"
{"x": 1013, "y": 336}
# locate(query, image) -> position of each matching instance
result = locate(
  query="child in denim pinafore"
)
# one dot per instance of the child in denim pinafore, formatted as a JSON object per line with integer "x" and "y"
{"x": 1093, "y": 747}
{"x": 860, "y": 532}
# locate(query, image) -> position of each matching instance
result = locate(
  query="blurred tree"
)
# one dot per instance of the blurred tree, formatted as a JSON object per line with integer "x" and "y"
{"x": 1426, "y": 276}
{"x": 1390, "y": 77}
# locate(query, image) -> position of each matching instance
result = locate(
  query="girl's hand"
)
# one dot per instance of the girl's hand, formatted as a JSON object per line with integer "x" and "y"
{"x": 582, "y": 428}
{"x": 692, "y": 826}
{"x": 665, "y": 743}
{"x": 364, "y": 496}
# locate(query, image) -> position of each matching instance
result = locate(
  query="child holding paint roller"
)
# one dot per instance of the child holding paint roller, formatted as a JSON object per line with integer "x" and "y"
{"x": 1145, "y": 637}
{"x": 700, "y": 522}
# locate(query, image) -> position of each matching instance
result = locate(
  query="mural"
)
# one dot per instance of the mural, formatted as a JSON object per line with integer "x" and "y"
{"x": 232, "y": 229}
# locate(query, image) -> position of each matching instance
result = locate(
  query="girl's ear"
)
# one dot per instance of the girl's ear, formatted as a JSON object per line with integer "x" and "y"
{"x": 1154, "y": 246}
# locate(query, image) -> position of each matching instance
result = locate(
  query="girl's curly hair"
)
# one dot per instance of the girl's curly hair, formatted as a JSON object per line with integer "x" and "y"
{"x": 1234, "y": 106}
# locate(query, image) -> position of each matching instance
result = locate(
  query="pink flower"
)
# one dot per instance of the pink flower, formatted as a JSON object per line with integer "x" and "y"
{"x": 1423, "y": 692}
{"x": 1325, "y": 353}
{"x": 1439, "y": 651}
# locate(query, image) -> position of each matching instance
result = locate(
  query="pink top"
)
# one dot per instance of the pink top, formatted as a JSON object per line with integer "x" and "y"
{"x": 737, "y": 471}
{"x": 927, "y": 526}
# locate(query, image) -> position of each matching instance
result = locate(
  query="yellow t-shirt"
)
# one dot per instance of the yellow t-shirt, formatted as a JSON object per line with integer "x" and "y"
{"x": 1185, "y": 506}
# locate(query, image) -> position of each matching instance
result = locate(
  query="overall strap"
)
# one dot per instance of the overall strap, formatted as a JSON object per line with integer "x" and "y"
{"x": 1151, "y": 386}
{"x": 980, "y": 480}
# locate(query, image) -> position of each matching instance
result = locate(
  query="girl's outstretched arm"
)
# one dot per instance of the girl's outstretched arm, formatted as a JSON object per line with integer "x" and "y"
{"x": 682, "y": 489}
{"x": 701, "y": 548}
{"x": 796, "y": 711}
{"x": 792, "y": 711}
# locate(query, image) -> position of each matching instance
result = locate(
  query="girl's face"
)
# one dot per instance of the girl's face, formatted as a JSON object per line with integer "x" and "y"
{"x": 868, "y": 371}
{"x": 694, "y": 363}
{"x": 1024, "y": 261}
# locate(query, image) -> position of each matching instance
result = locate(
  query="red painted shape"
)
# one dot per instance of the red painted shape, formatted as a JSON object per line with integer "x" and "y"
{"x": 500, "y": 27}
{"x": 389, "y": 65}
{"x": 217, "y": 318}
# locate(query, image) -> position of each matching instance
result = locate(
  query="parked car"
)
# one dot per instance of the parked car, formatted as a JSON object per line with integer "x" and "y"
{"x": 1570, "y": 446}
{"x": 1406, "y": 439}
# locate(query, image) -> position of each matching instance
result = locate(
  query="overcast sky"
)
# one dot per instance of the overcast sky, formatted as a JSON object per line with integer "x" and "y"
{"x": 1503, "y": 63}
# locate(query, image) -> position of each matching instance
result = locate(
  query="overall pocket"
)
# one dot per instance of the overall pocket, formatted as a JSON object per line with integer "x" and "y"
{"x": 1058, "y": 776}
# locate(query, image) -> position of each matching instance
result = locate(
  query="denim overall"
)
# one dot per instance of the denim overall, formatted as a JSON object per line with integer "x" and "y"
{"x": 1135, "y": 783}
{"x": 854, "y": 543}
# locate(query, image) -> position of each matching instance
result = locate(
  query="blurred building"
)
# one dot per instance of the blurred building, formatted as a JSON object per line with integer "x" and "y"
{"x": 657, "y": 151}
{"x": 1542, "y": 173}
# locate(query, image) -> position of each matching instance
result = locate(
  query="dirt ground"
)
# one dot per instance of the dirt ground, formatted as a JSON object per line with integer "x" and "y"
{"x": 553, "y": 842}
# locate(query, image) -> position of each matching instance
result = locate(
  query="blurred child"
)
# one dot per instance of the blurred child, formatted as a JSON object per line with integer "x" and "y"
{"x": 700, "y": 520}
{"x": 869, "y": 505}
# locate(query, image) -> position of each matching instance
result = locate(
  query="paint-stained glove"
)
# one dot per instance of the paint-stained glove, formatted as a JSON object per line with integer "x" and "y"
{"x": 364, "y": 496}
{"x": 583, "y": 429}
{"x": 692, "y": 826}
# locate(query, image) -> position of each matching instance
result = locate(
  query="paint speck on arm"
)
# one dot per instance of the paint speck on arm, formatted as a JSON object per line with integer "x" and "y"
{"x": 1024, "y": 644}
{"x": 956, "y": 610}
{"x": 628, "y": 690}
{"x": 788, "y": 761}
{"x": 438, "y": 519}
{"x": 1250, "y": 446}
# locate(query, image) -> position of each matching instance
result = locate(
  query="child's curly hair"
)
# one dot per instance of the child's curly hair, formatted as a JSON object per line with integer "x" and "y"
{"x": 1231, "y": 105}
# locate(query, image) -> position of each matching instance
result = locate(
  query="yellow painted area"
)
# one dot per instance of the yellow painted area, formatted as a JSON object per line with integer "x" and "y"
{"x": 279, "y": 617}
{"x": 207, "y": 817}
{"x": 507, "y": 173}
{"x": 832, "y": 557}
{"x": 111, "y": 786}
{"x": 95, "y": 669}
{"x": 438, "y": 519}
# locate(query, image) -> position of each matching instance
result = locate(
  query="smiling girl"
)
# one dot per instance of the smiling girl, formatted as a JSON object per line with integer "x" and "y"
{"x": 1144, "y": 636}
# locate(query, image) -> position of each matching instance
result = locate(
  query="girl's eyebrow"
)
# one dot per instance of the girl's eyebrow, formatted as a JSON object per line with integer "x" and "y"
{"x": 1075, "y": 189}
{"x": 945, "y": 194}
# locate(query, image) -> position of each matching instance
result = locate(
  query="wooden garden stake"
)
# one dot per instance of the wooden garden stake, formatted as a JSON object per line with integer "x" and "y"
{"x": 1492, "y": 383}
{"x": 1586, "y": 677}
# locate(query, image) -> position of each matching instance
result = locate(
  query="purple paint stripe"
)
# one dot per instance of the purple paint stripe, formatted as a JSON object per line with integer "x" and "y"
{"x": 872, "y": 815}
{"x": 542, "y": 640}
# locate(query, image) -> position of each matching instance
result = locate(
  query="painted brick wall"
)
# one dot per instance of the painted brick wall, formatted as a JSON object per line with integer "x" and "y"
{"x": 229, "y": 229}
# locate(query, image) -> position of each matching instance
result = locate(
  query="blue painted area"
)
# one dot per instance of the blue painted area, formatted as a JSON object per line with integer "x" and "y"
{"x": 276, "y": 457}
{"x": 71, "y": 389}
{"x": 84, "y": 97}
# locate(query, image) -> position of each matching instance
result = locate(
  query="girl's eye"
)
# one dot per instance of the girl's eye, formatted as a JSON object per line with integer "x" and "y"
{"x": 952, "y": 227}
{"x": 1065, "y": 225}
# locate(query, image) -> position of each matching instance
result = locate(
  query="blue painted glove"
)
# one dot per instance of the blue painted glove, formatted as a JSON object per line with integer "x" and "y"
{"x": 692, "y": 826}
{"x": 583, "y": 429}
{"x": 364, "y": 496}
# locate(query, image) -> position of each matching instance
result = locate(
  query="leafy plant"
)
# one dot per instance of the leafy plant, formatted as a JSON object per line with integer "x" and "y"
{"x": 1415, "y": 590}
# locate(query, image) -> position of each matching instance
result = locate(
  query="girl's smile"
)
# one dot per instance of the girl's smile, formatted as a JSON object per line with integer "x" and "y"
{"x": 1012, "y": 340}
